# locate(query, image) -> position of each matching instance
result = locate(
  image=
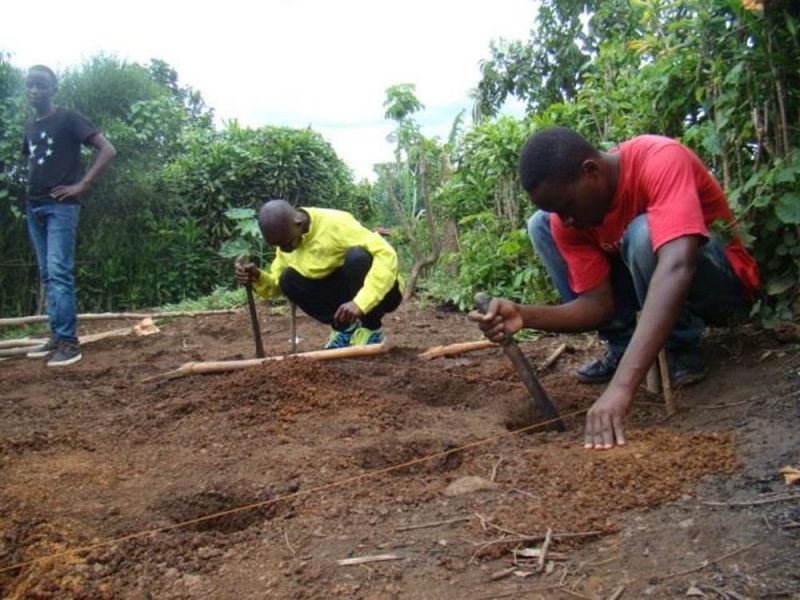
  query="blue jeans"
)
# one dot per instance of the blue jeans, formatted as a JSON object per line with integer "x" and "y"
{"x": 715, "y": 297}
{"x": 52, "y": 228}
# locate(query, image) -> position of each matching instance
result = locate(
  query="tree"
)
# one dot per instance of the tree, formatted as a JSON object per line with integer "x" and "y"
{"x": 415, "y": 173}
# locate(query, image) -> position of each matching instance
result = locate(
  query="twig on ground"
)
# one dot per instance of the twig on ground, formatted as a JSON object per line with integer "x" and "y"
{"x": 716, "y": 406}
{"x": 527, "y": 538}
{"x": 502, "y": 574}
{"x": 524, "y": 493}
{"x": 433, "y": 524}
{"x": 493, "y": 477}
{"x": 566, "y": 590}
{"x": 708, "y": 563}
{"x": 548, "y": 362}
{"x": 754, "y": 502}
{"x": 288, "y": 544}
{"x": 486, "y": 523}
{"x": 790, "y": 526}
{"x": 617, "y": 593}
{"x": 600, "y": 563}
{"x": 545, "y": 545}
{"x": 360, "y": 560}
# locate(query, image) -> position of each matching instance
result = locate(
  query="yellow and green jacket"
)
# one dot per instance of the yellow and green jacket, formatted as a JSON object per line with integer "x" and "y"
{"x": 322, "y": 250}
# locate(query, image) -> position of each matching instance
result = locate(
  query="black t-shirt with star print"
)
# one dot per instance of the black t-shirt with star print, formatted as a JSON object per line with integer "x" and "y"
{"x": 53, "y": 148}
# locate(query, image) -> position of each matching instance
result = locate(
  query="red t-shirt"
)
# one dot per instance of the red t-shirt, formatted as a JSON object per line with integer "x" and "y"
{"x": 667, "y": 181}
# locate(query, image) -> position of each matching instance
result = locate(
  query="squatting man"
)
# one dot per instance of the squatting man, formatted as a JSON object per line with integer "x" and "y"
{"x": 331, "y": 266}
{"x": 633, "y": 229}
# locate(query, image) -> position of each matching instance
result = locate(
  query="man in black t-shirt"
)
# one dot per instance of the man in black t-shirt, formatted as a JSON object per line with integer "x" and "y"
{"x": 53, "y": 140}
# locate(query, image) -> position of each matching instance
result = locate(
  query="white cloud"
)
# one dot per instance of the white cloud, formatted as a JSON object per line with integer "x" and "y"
{"x": 287, "y": 62}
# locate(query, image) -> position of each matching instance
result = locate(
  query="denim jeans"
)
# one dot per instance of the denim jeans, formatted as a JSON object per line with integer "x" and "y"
{"x": 715, "y": 297}
{"x": 52, "y": 228}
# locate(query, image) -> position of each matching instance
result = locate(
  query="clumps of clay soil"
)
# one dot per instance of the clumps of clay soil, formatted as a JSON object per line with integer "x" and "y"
{"x": 568, "y": 489}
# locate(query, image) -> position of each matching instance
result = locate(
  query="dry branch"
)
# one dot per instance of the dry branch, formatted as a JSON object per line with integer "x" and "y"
{"x": 456, "y": 349}
{"x": 753, "y": 502}
{"x": 548, "y": 362}
{"x": 234, "y": 365}
{"x": 27, "y": 342}
{"x": 617, "y": 593}
{"x": 433, "y": 524}
{"x": 13, "y": 321}
{"x": 708, "y": 563}
{"x": 360, "y": 560}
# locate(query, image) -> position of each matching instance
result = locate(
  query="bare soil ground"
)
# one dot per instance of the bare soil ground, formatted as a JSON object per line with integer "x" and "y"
{"x": 256, "y": 483}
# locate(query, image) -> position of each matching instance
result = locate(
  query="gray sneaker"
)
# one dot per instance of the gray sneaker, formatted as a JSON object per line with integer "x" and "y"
{"x": 45, "y": 349}
{"x": 65, "y": 355}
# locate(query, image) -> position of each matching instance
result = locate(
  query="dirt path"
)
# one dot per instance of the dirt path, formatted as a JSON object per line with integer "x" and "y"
{"x": 256, "y": 483}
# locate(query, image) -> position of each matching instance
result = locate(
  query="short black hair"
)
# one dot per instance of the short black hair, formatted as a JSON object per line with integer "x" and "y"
{"x": 553, "y": 155}
{"x": 48, "y": 71}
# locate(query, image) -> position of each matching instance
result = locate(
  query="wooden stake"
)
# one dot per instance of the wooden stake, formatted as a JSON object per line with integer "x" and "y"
{"x": 653, "y": 379}
{"x": 234, "y": 365}
{"x": 456, "y": 349}
{"x": 666, "y": 386}
{"x": 293, "y": 310}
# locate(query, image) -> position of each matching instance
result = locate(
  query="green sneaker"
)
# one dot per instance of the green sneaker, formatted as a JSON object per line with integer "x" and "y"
{"x": 366, "y": 337}
{"x": 339, "y": 339}
{"x": 45, "y": 349}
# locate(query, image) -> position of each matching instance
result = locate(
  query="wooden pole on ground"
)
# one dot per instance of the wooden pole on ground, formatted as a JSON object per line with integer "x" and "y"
{"x": 191, "y": 368}
{"x": 14, "y": 321}
{"x": 456, "y": 349}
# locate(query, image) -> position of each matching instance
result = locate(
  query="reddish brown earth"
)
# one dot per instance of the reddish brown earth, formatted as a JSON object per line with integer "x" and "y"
{"x": 255, "y": 483}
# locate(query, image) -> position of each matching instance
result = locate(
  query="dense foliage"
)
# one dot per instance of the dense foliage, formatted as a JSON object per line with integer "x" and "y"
{"x": 153, "y": 224}
{"x": 721, "y": 75}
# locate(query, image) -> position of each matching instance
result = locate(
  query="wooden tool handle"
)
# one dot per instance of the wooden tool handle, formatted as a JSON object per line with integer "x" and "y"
{"x": 251, "y": 303}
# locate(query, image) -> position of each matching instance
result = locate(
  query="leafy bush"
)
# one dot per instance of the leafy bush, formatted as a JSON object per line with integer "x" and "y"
{"x": 500, "y": 263}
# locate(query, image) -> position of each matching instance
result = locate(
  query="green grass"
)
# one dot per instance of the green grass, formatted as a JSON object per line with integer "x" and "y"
{"x": 220, "y": 298}
{"x": 23, "y": 331}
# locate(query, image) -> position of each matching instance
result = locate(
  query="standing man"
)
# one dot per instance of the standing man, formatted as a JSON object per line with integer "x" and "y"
{"x": 331, "y": 266}
{"x": 644, "y": 227}
{"x": 56, "y": 182}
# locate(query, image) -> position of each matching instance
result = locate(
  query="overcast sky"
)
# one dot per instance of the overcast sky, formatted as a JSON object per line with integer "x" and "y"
{"x": 319, "y": 63}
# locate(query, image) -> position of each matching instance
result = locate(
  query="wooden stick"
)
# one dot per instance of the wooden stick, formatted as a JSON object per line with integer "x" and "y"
{"x": 84, "y": 339}
{"x": 666, "y": 386}
{"x": 554, "y": 356}
{"x": 234, "y": 365}
{"x": 360, "y": 560}
{"x": 617, "y": 593}
{"x": 123, "y": 315}
{"x": 545, "y": 545}
{"x": 754, "y": 502}
{"x": 433, "y": 524}
{"x": 293, "y": 311}
{"x": 653, "y": 379}
{"x": 708, "y": 563}
{"x": 27, "y": 342}
{"x": 456, "y": 349}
